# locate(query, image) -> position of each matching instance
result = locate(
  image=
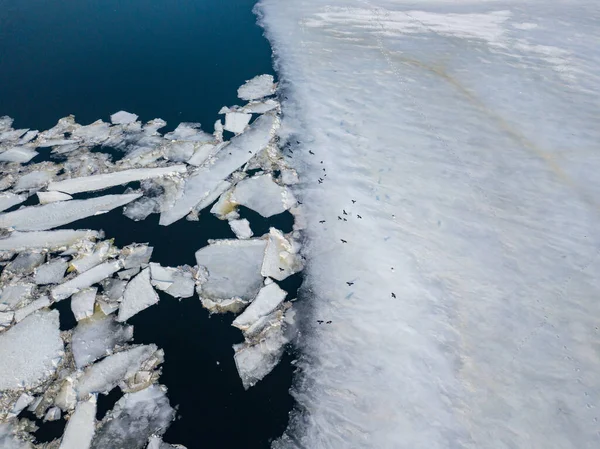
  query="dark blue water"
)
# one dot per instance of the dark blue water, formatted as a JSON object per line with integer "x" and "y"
{"x": 180, "y": 60}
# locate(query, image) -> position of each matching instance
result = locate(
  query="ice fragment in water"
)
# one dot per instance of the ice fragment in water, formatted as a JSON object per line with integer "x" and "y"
{"x": 52, "y": 197}
{"x": 53, "y": 414}
{"x": 30, "y": 351}
{"x": 267, "y": 300}
{"x": 37, "y": 218}
{"x": 82, "y": 303}
{"x": 233, "y": 269}
{"x": 189, "y": 132}
{"x": 263, "y": 195}
{"x": 51, "y": 273}
{"x": 281, "y": 256}
{"x": 40, "y": 303}
{"x": 102, "y": 251}
{"x": 135, "y": 418}
{"x": 9, "y": 199}
{"x": 260, "y": 107}
{"x": 123, "y": 118}
{"x": 135, "y": 255}
{"x": 81, "y": 426}
{"x": 24, "y": 400}
{"x": 25, "y": 263}
{"x": 34, "y": 180}
{"x": 257, "y": 88}
{"x": 85, "y": 280}
{"x": 157, "y": 443}
{"x": 51, "y": 240}
{"x": 106, "y": 180}
{"x": 106, "y": 374}
{"x": 18, "y": 154}
{"x": 139, "y": 295}
{"x": 98, "y": 337}
{"x": 236, "y": 122}
{"x": 177, "y": 282}
{"x": 141, "y": 209}
{"x": 241, "y": 228}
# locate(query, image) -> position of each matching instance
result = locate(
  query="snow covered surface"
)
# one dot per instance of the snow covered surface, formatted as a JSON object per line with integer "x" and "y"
{"x": 30, "y": 351}
{"x": 464, "y": 135}
{"x": 48, "y": 216}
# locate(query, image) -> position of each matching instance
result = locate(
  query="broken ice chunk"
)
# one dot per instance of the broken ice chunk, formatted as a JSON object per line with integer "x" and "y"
{"x": 106, "y": 180}
{"x": 81, "y": 426}
{"x": 267, "y": 300}
{"x": 92, "y": 134}
{"x": 225, "y": 208}
{"x": 6, "y": 319}
{"x": 106, "y": 374}
{"x": 263, "y": 195}
{"x": 134, "y": 419}
{"x": 25, "y": 263}
{"x": 206, "y": 179}
{"x": 113, "y": 289}
{"x": 202, "y": 154}
{"x": 189, "y": 132}
{"x": 241, "y": 228}
{"x": 82, "y": 303}
{"x": 140, "y": 210}
{"x": 53, "y": 414}
{"x": 13, "y": 295}
{"x": 257, "y": 88}
{"x": 260, "y": 107}
{"x": 157, "y": 443}
{"x": 23, "y": 401}
{"x": 51, "y": 240}
{"x": 233, "y": 268}
{"x": 48, "y": 216}
{"x": 40, "y": 303}
{"x": 18, "y": 154}
{"x": 51, "y": 273}
{"x": 102, "y": 251}
{"x": 138, "y": 296}
{"x": 30, "y": 351}
{"x": 52, "y": 197}
{"x": 128, "y": 274}
{"x": 123, "y": 118}
{"x": 281, "y": 256}
{"x": 177, "y": 282}
{"x": 34, "y": 180}
{"x": 135, "y": 255}
{"x": 8, "y": 200}
{"x": 85, "y": 280}
{"x": 98, "y": 337}
{"x": 236, "y": 122}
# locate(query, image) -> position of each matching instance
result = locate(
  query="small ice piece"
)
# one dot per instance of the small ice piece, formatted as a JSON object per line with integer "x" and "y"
{"x": 263, "y": 195}
{"x": 105, "y": 375}
{"x": 9, "y": 199}
{"x": 28, "y": 137}
{"x": 85, "y": 280}
{"x": 202, "y": 154}
{"x": 177, "y": 282}
{"x": 93, "y": 134}
{"x": 34, "y": 180}
{"x": 50, "y": 240}
{"x": 139, "y": 295}
{"x": 135, "y": 255}
{"x": 113, "y": 288}
{"x": 51, "y": 273}
{"x": 157, "y": 443}
{"x": 82, "y": 303}
{"x": 128, "y": 274}
{"x": 81, "y": 426}
{"x": 218, "y": 131}
{"x": 235, "y": 305}
{"x": 13, "y": 294}
{"x": 21, "y": 155}
{"x": 225, "y": 208}
{"x": 30, "y": 351}
{"x": 102, "y": 251}
{"x": 236, "y": 122}
{"x": 281, "y": 257}
{"x": 241, "y": 228}
{"x": 190, "y": 132}
{"x": 25, "y": 263}
{"x": 135, "y": 417}
{"x": 98, "y": 337}
{"x": 206, "y": 179}
{"x": 260, "y": 107}
{"x": 66, "y": 398}
{"x": 53, "y": 414}
{"x": 40, "y": 303}
{"x": 123, "y": 118}
{"x": 233, "y": 269}
{"x": 106, "y": 180}
{"x": 6, "y": 181}
{"x": 6, "y": 319}
{"x": 52, "y": 197}
{"x": 179, "y": 150}
{"x": 24, "y": 400}
{"x": 267, "y": 300}
{"x": 255, "y": 360}
{"x": 107, "y": 307}
{"x": 258, "y": 87}
{"x": 140, "y": 210}
{"x": 48, "y": 216}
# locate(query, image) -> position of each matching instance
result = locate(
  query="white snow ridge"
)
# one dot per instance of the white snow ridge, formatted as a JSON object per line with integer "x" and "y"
{"x": 450, "y": 296}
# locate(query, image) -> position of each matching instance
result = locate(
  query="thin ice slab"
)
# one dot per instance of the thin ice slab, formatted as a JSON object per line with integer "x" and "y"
{"x": 8, "y": 200}
{"x": 81, "y": 426}
{"x": 138, "y": 296}
{"x": 258, "y": 87}
{"x": 51, "y": 240}
{"x": 85, "y": 280}
{"x": 39, "y": 218}
{"x": 267, "y": 300}
{"x": 263, "y": 195}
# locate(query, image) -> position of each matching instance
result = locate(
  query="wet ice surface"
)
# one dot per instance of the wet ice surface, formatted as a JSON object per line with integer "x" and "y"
{"x": 458, "y": 140}
{"x": 108, "y": 177}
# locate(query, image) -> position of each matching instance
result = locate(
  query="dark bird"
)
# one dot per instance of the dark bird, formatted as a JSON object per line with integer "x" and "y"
{"x": 353, "y": 201}
{"x": 329, "y": 322}
{"x": 358, "y": 216}
{"x": 280, "y": 269}
{"x": 322, "y": 221}
{"x": 323, "y": 168}
{"x": 300, "y": 202}
{"x": 344, "y": 212}
{"x": 320, "y": 181}
{"x": 350, "y": 284}
{"x": 321, "y": 162}
{"x": 310, "y": 152}
{"x": 343, "y": 241}
{"x": 320, "y": 321}
{"x": 393, "y": 295}
{"x": 339, "y": 218}
{"x": 345, "y": 219}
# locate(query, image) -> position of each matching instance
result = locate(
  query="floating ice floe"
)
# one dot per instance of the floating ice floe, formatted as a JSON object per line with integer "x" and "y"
{"x": 13, "y": 295}
{"x": 135, "y": 418}
{"x": 260, "y": 107}
{"x": 30, "y": 351}
{"x": 268, "y": 299}
{"x": 106, "y": 180}
{"x": 9, "y": 199}
{"x": 51, "y": 240}
{"x": 34, "y": 180}
{"x": 21, "y": 155}
{"x": 233, "y": 270}
{"x": 85, "y": 280}
{"x": 258, "y": 87}
{"x": 123, "y": 118}
{"x": 236, "y": 122}
{"x": 139, "y": 295}
{"x": 136, "y": 255}
{"x": 52, "y": 272}
{"x": 263, "y": 195}
{"x": 53, "y": 414}
{"x": 82, "y": 303}
{"x": 38, "y": 218}
{"x": 101, "y": 252}
{"x": 177, "y": 282}
{"x": 52, "y": 197}
{"x": 81, "y": 426}
{"x": 25, "y": 263}
{"x": 241, "y": 228}
{"x": 97, "y": 337}
{"x": 23, "y": 312}
{"x": 189, "y": 132}
{"x": 282, "y": 258}
{"x": 157, "y": 443}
